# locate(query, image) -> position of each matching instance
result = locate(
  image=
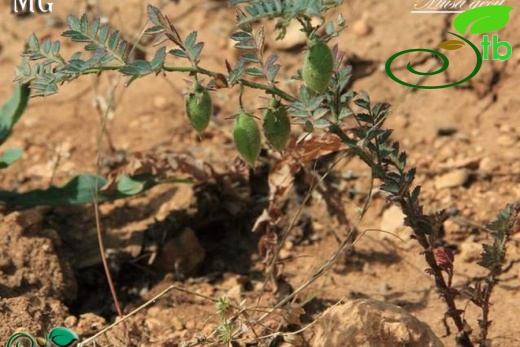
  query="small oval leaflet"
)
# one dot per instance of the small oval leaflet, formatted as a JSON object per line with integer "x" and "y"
{"x": 482, "y": 20}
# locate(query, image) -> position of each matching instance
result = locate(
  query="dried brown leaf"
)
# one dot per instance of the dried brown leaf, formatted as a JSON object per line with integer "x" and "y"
{"x": 220, "y": 80}
{"x": 281, "y": 178}
{"x": 312, "y": 148}
{"x": 262, "y": 220}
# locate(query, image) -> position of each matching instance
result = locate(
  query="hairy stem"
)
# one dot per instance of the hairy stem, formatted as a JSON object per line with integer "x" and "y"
{"x": 268, "y": 88}
{"x": 491, "y": 280}
{"x": 413, "y": 213}
{"x": 190, "y": 69}
{"x": 443, "y": 288}
{"x": 484, "y": 324}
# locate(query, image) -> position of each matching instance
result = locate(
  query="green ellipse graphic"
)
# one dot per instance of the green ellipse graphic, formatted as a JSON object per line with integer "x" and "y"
{"x": 445, "y": 64}
{"x": 16, "y": 339}
{"x": 482, "y": 20}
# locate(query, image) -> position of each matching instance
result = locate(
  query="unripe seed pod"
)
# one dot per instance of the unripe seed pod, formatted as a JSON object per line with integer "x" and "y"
{"x": 247, "y": 137}
{"x": 318, "y": 66}
{"x": 277, "y": 126}
{"x": 199, "y": 107}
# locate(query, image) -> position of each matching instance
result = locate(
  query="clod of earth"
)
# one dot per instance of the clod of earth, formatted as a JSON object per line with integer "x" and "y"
{"x": 372, "y": 323}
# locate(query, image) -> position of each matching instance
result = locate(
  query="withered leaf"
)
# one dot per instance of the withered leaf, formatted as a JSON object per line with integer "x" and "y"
{"x": 261, "y": 220}
{"x": 228, "y": 66}
{"x": 259, "y": 39}
{"x": 220, "y": 81}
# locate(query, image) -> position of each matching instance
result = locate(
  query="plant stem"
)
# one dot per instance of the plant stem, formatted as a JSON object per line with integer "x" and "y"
{"x": 413, "y": 214}
{"x": 491, "y": 280}
{"x": 268, "y": 88}
{"x": 190, "y": 69}
{"x": 444, "y": 290}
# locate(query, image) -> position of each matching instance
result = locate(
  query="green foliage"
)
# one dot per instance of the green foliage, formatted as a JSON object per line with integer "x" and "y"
{"x": 107, "y": 44}
{"x": 12, "y": 110}
{"x": 248, "y": 40}
{"x": 284, "y": 11}
{"x": 52, "y": 69}
{"x": 83, "y": 189}
{"x": 223, "y": 308}
{"x": 188, "y": 49}
{"x": 10, "y": 113}
{"x": 325, "y": 105}
{"x": 494, "y": 254}
{"x": 141, "y": 68}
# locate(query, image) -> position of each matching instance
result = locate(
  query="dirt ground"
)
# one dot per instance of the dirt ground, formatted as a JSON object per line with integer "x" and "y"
{"x": 464, "y": 141}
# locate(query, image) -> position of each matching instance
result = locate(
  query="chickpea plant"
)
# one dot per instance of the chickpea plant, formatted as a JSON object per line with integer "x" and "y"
{"x": 323, "y": 102}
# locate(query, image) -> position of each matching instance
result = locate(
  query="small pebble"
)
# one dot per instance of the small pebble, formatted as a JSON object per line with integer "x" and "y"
{"x": 507, "y": 140}
{"x": 177, "y": 324}
{"x": 487, "y": 165}
{"x": 452, "y": 179}
{"x": 506, "y": 128}
{"x": 361, "y": 28}
{"x": 70, "y": 321}
{"x": 470, "y": 250}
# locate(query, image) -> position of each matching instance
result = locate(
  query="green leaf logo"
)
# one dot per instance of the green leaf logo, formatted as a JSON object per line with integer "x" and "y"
{"x": 63, "y": 337}
{"x": 451, "y": 45}
{"x": 482, "y": 20}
